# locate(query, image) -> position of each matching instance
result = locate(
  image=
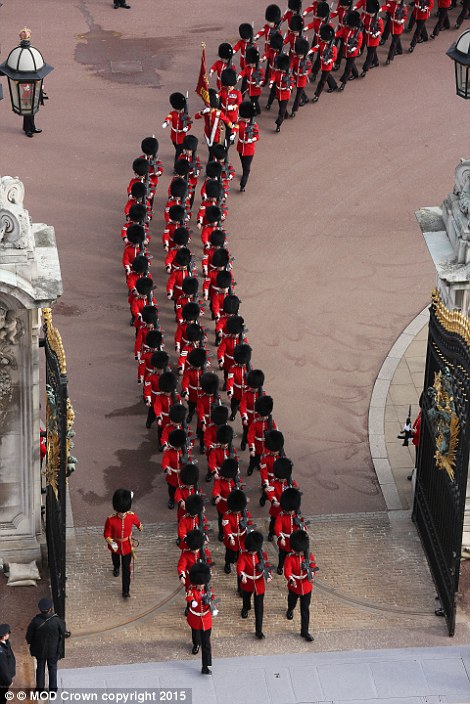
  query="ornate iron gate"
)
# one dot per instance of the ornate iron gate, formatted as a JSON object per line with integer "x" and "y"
{"x": 59, "y": 462}
{"x": 443, "y": 453}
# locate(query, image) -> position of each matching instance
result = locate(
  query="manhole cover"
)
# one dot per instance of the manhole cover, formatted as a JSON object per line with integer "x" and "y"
{"x": 126, "y": 67}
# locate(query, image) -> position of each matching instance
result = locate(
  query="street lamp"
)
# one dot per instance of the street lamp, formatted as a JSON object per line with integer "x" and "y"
{"x": 459, "y": 52}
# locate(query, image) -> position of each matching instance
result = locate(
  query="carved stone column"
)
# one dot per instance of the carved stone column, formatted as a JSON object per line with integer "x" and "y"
{"x": 30, "y": 279}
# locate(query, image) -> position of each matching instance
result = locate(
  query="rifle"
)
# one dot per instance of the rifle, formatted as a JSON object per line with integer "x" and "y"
{"x": 209, "y": 600}
{"x": 407, "y": 432}
{"x": 244, "y": 522}
{"x": 263, "y": 566}
{"x": 400, "y": 11}
{"x": 185, "y": 116}
{"x": 299, "y": 520}
{"x": 353, "y": 42}
{"x": 305, "y": 565}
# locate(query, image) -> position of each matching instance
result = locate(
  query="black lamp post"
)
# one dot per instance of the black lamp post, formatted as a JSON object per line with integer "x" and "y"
{"x": 459, "y": 52}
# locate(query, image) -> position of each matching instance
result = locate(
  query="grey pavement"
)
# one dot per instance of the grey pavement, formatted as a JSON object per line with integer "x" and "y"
{"x": 404, "y": 676}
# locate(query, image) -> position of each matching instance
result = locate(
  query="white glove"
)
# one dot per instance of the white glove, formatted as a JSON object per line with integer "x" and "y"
{"x": 114, "y": 546}
{"x": 165, "y": 124}
{"x": 185, "y": 129}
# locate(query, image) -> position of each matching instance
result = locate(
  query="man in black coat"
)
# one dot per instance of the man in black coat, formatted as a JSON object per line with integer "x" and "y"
{"x": 45, "y": 636}
{"x": 7, "y": 662}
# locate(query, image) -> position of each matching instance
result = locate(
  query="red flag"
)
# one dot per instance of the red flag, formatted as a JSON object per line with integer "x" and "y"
{"x": 202, "y": 87}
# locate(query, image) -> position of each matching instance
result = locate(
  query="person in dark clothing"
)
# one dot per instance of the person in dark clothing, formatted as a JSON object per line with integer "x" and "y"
{"x": 7, "y": 662}
{"x": 45, "y": 636}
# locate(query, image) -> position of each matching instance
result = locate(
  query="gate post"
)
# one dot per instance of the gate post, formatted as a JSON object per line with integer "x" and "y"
{"x": 30, "y": 279}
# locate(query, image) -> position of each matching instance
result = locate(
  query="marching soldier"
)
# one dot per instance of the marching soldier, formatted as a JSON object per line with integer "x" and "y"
{"x": 352, "y": 37}
{"x": 262, "y": 422}
{"x": 219, "y": 451}
{"x": 276, "y": 44}
{"x": 177, "y": 217}
{"x": 236, "y": 378}
{"x": 341, "y": 12}
{"x": 287, "y": 520}
{"x": 328, "y": 53}
{"x": 214, "y": 118}
{"x": 193, "y": 518}
{"x": 224, "y": 61}
{"x": 273, "y": 17}
{"x": 179, "y": 120}
{"x": 235, "y": 523}
{"x": 166, "y": 397}
{"x": 421, "y": 13}
{"x": 208, "y": 397}
{"x": 282, "y": 79}
{"x": 177, "y": 453}
{"x": 253, "y": 76}
{"x": 159, "y": 362}
{"x": 153, "y": 343}
{"x": 253, "y": 572}
{"x": 273, "y": 449}
{"x": 245, "y": 42}
{"x": 301, "y": 67}
{"x": 248, "y": 135}
{"x": 188, "y": 486}
{"x": 177, "y": 415}
{"x": 373, "y": 30}
{"x": 218, "y": 417}
{"x": 230, "y": 99}
{"x": 118, "y": 535}
{"x": 191, "y": 555}
{"x": 191, "y": 381}
{"x": 253, "y": 391}
{"x": 443, "y": 17}
{"x": 226, "y": 481}
{"x": 233, "y": 336}
{"x": 299, "y": 568}
{"x": 398, "y": 12}
{"x": 200, "y": 602}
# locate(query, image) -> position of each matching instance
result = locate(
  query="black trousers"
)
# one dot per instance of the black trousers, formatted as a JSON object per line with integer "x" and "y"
{"x": 464, "y": 13}
{"x": 350, "y": 69}
{"x": 178, "y": 151}
{"x": 282, "y": 112}
{"x": 203, "y": 639}
{"x": 300, "y": 94}
{"x": 231, "y": 556}
{"x": 258, "y": 600}
{"x": 339, "y": 57}
{"x": 246, "y": 167}
{"x": 387, "y": 28}
{"x": 171, "y": 492}
{"x": 420, "y": 32}
{"x": 41, "y": 673}
{"x": 254, "y": 462}
{"x": 255, "y": 102}
{"x": 442, "y": 22}
{"x": 272, "y": 521}
{"x": 325, "y": 77}
{"x": 315, "y": 67}
{"x": 292, "y": 599}
{"x": 28, "y": 123}
{"x": 395, "y": 47}
{"x": 272, "y": 94}
{"x": 126, "y": 569}
{"x": 282, "y": 558}
{"x": 191, "y": 410}
{"x": 371, "y": 58}
{"x": 234, "y": 406}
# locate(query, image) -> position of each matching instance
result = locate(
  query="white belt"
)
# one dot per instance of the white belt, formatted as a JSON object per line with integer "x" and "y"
{"x": 198, "y": 613}
{"x": 296, "y": 576}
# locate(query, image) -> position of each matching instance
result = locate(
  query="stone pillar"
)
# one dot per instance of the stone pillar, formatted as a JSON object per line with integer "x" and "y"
{"x": 30, "y": 279}
{"x": 446, "y": 231}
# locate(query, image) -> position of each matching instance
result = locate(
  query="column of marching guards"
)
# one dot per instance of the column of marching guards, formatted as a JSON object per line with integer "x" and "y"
{"x": 200, "y": 389}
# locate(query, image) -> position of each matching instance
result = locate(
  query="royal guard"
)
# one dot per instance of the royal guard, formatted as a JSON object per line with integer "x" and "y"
{"x": 282, "y": 79}
{"x": 280, "y": 481}
{"x": 159, "y": 362}
{"x": 235, "y": 522}
{"x": 342, "y": 10}
{"x": 177, "y": 453}
{"x": 187, "y": 486}
{"x": 181, "y": 270}
{"x": 135, "y": 245}
{"x": 149, "y": 146}
{"x": 224, "y": 284}
{"x": 214, "y": 196}
{"x": 139, "y": 298}
{"x": 352, "y": 37}
{"x": 179, "y": 120}
{"x": 253, "y": 391}
{"x": 139, "y": 269}
{"x": 252, "y": 77}
{"x": 178, "y": 196}
{"x": 296, "y": 27}
{"x": 328, "y": 53}
{"x": 177, "y": 416}
{"x": 213, "y": 217}
{"x": 287, "y": 520}
{"x": 191, "y": 555}
{"x": 224, "y": 61}
{"x": 421, "y": 12}
{"x": 191, "y": 381}
{"x": 218, "y": 417}
{"x": 398, "y": 12}
{"x": 227, "y": 479}
{"x": 220, "y": 262}
{"x": 299, "y": 568}
{"x": 147, "y": 321}
{"x": 195, "y": 338}
{"x": 262, "y": 422}
{"x": 192, "y": 518}
{"x": 321, "y": 16}
{"x": 219, "y": 451}
{"x": 166, "y": 397}
{"x": 118, "y": 535}
{"x": 177, "y": 217}
{"x": 214, "y": 118}
{"x": 276, "y": 46}
{"x": 182, "y": 169}
{"x": 208, "y": 397}
{"x": 230, "y": 99}
{"x": 253, "y": 572}
{"x": 141, "y": 169}
{"x": 248, "y": 135}
{"x": 443, "y": 17}
{"x": 181, "y": 238}
{"x": 236, "y": 377}
{"x": 153, "y": 343}
{"x": 273, "y": 17}
{"x": 190, "y": 314}
{"x": 200, "y": 602}
{"x": 373, "y": 30}
{"x": 213, "y": 171}
{"x": 189, "y": 293}
{"x": 190, "y": 144}
{"x": 217, "y": 240}
{"x": 245, "y": 42}
{"x": 234, "y": 335}
{"x": 301, "y": 68}
{"x": 136, "y": 216}
{"x": 220, "y": 154}
{"x": 273, "y": 449}
{"x": 230, "y": 307}
{"x": 294, "y": 7}
{"x": 139, "y": 195}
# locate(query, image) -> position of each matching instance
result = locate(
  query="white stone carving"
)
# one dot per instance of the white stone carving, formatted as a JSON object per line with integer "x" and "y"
{"x": 15, "y": 225}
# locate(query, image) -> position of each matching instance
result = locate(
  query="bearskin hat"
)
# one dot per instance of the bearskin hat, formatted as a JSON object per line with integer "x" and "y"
{"x": 189, "y": 474}
{"x": 231, "y": 304}
{"x": 245, "y": 31}
{"x": 236, "y": 500}
{"x": 177, "y": 412}
{"x": 252, "y": 55}
{"x": 182, "y": 257}
{"x": 178, "y": 101}
{"x": 140, "y": 166}
{"x": 241, "y": 354}
{"x": 295, "y": 5}
{"x": 296, "y": 23}
{"x": 213, "y": 213}
{"x": 327, "y": 32}
{"x": 264, "y": 405}
{"x": 177, "y": 213}
{"x": 154, "y": 339}
{"x": 346, "y": 3}
{"x": 234, "y": 325}
{"x": 214, "y": 100}
{"x": 199, "y": 573}
{"x": 255, "y": 378}
{"x": 225, "y": 51}
{"x": 191, "y": 311}
{"x": 210, "y": 383}
{"x": 144, "y": 285}
{"x": 274, "y": 440}
{"x": 182, "y": 167}
{"x": 167, "y": 383}
{"x": 290, "y": 499}
{"x": 135, "y": 234}
{"x": 122, "y": 500}
{"x": 282, "y": 468}
{"x": 223, "y": 279}
{"x": 213, "y": 169}
{"x": 224, "y": 434}
{"x": 219, "y": 414}
{"x": 220, "y": 257}
{"x": 219, "y": 152}
{"x": 178, "y": 188}
{"x": 323, "y": 9}
{"x": 229, "y": 468}
{"x": 217, "y": 238}
{"x": 149, "y": 146}
{"x": 190, "y": 286}
{"x": 195, "y": 540}
{"x": 299, "y": 541}
{"x": 150, "y": 315}
{"x": 160, "y": 359}
{"x": 301, "y": 46}
{"x": 138, "y": 190}
{"x": 228, "y": 77}
{"x": 197, "y": 357}
{"x": 194, "y": 332}
{"x": 372, "y": 6}
{"x": 283, "y": 62}
{"x": 246, "y": 109}
{"x": 181, "y": 236}
{"x": 177, "y": 438}
{"x": 277, "y": 41}
{"x": 140, "y": 264}
{"x": 194, "y": 502}
{"x": 353, "y": 18}
{"x": 214, "y": 188}
{"x": 253, "y": 541}
{"x": 137, "y": 212}
{"x": 273, "y": 13}
{"x": 190, "y": 142}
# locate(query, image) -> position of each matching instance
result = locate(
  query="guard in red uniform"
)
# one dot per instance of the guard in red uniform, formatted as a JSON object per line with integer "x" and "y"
{"x": 195, "y": 338}
{"x": 294, "y": 7}
{"x": 299, "y": 568}
{"x": 230, "y": 307}
{"x": 443, "y": 17}
{"x": 153, "y": 343}
{"x": 219, "y": 451}
{"x": 134, "y": 246}
{"x": 234, "y": 335}
{"x": 248, "y": 135}
{"x": 179, "y": 195}
{"x": 217, "y": 240}
{"x": 191, "y": 381}
{"x": 136, "y": 216}
{"x": 181, "y": 270}
{"x": 273, "y": 17}
{"x": 287, "y": 521}
{"x": 208, "y": 397}
{"x": 253, "y": 572}
{"x": 398, "y": 12}
{"x": 253, "y": 391}
{"x": 177, "y": 217}
{"x": 159, "y": 362}
{"x": 118, "y": 535}
{"x": 328, "y": 53}
{"x": 218, "y": 417}
{"x": 214, "y": 196}
{"x": 188, "y": 486}
{"x": 214, "y": 119}
{"x": 230, "y": 99}
{"x": 166, "y": 397}
{"x": 177, "y": 453}
{"x": 245, "y": 42}
{"x": 213, "y": 171}
{"x": 192, "y": 518}
{"x": 214, "y": 218}
{"x": 181, "y": 238}
{"x": 224, "y": 61}
{"x": 227, "y": 479}
{"x": 252, "y": 77}
{"x": 373, "y": 30}
{"x": 235, "y": 522}
{"x": 190, "y": 314}
{"x": 148, "y": 321}
{"x": 236, "y": 377}
{"x": 149, "y": 146}
{"x": 276, "y": 45}
{"x": 301, "y": 67}
{"x": 262, "y": 422}
{"x": 179, "y": 120}
{"x": 421, "y": 13}
{"x": 352, "y": 36}
{"x": 139, "y": 196}
{"x": 201, "y": 608}
{"x": 191, "y": 555}
{"x": 189, "y": 293}
{"x": 190, "y": 144}
{"x": 341, "y": 13}
{"x": 177, "y": 416}
{"x": 273, "y": 450}
{"x": 282, "y": 79}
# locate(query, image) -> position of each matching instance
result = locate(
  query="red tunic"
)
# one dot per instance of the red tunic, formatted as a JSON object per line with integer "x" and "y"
{"x": 217, "y": 68}
{"x": 199, "y": 614}
{"x": 161, "y": 407}
{"x": 301, "y": 69}
{"x": 398, "y": 16}
{"x": 226, "y": 348}
{"x": 352, "y": 42}
{"x": 251, "y": 578}
{"x": 191, "y": 383}
{"x": 236, "y": 381}
{"x": 118, "y": 528}
{"x": 181, "y": 494}
{"x": 179, "y": 126}
{"x": 248, "y": 135}
{"x": 216, "y": 455}
{"x": 284, "y": 526}
{"x": 213, "y": 119}
{"x": 254, "y": 78}
{"x": 374, "y": 31}
{"x": 172, "y": 461}
{"x": 230, "y": 99}
{"x": 241, "y": 46}
{"x": 274, "y": 492}
{"x": 256, "y": 434}
{"x": 233, "y": 530}
{"x": 422, "y": 9}
{"x": 283, "y": 82}
{"x": 294, "y": 571}
{"x": 247, "y": 405}
{"x": 174, "y": 286}
{"x": 221, "y": 489}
